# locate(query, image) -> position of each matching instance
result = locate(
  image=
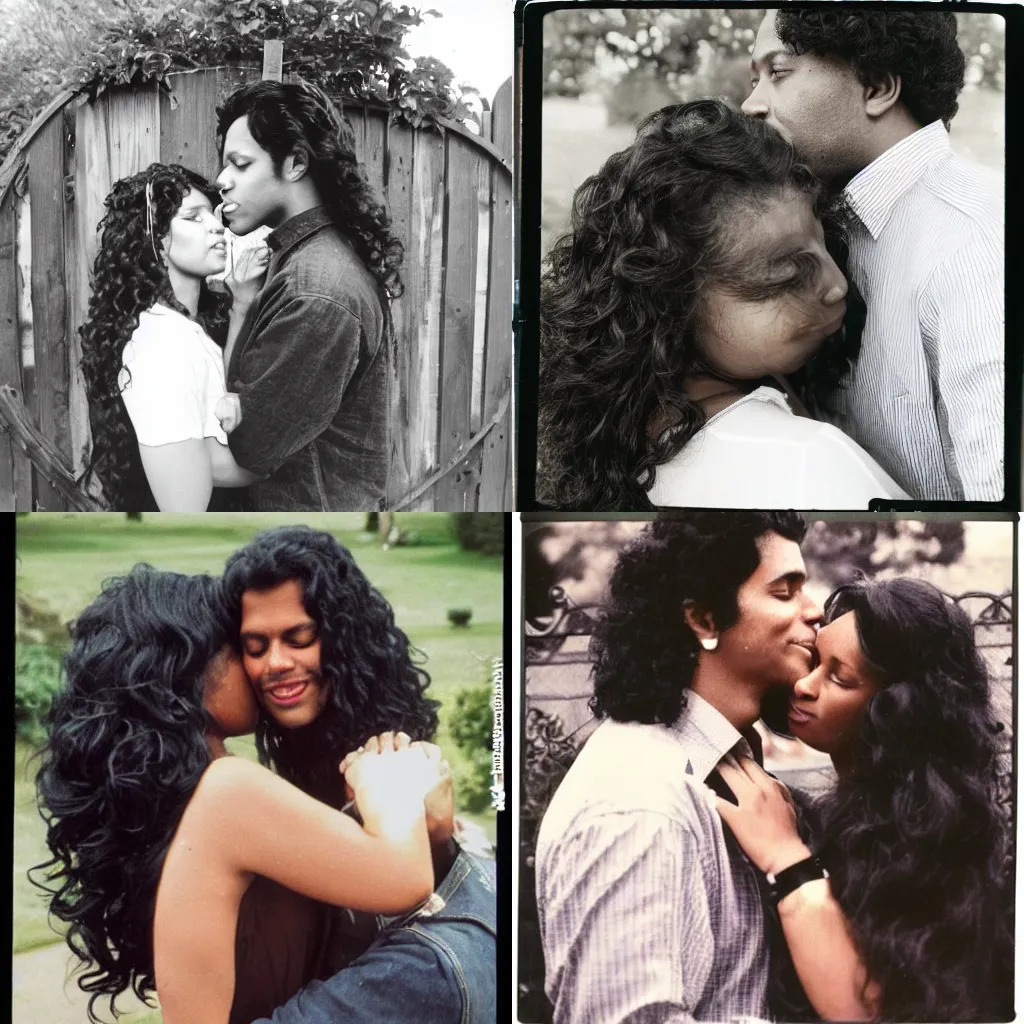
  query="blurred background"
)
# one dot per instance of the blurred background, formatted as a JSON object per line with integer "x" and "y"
{"x": 604, "y": 69}
{"x": 441, "y": 573}
{"x": 566, "y": 569}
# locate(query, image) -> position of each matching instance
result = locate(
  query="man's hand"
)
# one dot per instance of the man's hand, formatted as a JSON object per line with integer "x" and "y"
{"x": 764, "y": 822}
{"x": 229, "y": 411}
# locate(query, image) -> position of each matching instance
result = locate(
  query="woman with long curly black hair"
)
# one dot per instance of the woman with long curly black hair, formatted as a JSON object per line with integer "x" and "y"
{"x": 158, "y": 838}
{"x": 695, "y": 276}
{"x": 153, "y": 374}
{"x": 913, "y": 920}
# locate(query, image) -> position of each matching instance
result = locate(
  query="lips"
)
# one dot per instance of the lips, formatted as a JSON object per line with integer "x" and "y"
{"x": 806, "y": 645}
{"x": 229, "y": 208}
{"x": 798, "y": 715}
{"x": 288, "y": 693}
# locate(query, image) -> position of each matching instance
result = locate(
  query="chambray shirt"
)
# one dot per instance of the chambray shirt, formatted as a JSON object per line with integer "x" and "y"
{"x": 311, "y": 367}
{"x": 647, "y": 915}
{"x": 926, "y": 253}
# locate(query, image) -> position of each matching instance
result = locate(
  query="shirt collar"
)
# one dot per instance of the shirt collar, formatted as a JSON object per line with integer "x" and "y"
{"x": 708, "y": 736}
{"x": 301, "y": 226}
{"x": 874, "y": 192}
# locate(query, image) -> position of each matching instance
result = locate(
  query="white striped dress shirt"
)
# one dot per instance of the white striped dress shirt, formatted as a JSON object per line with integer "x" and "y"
{"x": 646, "y": 914}
{"x": 927, "y": 255}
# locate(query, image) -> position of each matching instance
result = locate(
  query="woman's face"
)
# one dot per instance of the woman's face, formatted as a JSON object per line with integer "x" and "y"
{"x": 228, "y": 696}
{"x": 195, "y": 245}
{"x": 792, "y": 296}
{"x": 826, "y": 706}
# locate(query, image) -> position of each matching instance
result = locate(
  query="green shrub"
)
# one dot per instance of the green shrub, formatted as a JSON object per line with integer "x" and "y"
{"x": 480, "y": 531}
{"x": 471, "y": 726}
{"x": 36, "y": 681}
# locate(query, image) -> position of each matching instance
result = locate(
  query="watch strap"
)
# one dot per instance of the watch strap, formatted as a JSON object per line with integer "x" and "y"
{"x": 786, "y": 881}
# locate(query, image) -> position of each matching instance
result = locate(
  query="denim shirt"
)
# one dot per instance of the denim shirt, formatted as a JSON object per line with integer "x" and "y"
{"x": 311, "y": 367}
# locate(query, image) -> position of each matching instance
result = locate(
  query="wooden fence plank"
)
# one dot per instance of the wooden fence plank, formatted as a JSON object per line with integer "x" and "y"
{"x": 188, "y": 123}
{"x": 133, "y": 122}
{"x": 77, "y": 298}
{"x": 399, "y": 188}
{"x": 457, "y": 492}
{"x": 49, "y": 297}
{"x": 496, "y": 471}
{"x": 375, "y": 151}
{"x": 15, "y": 471}
{"x": 425, "y": 270}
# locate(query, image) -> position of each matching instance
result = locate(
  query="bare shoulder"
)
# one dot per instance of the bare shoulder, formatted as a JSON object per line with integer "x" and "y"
{"x": 230, "y": 780}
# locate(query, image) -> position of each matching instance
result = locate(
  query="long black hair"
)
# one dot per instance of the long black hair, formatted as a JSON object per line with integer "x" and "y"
{"x": 127, "y": 747}
{"x": 298, "y": 117}
{"x": 128, "y": 279}
{"x": 366, "y": 661}
{"x": 911, "y": 835}
{"x": 621, "y": 298}
{"x": 644, "y": 654}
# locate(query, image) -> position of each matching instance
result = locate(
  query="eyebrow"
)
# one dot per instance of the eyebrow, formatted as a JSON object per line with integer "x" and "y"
{"x": 195, "y": 206}
{"x": 255, "y": 634}
{"x": 790, "y": 577}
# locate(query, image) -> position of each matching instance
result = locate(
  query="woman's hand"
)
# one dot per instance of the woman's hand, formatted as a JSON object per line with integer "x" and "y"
{"x": 229, "y": 411}
{"x": 764, "y": 822}
{"x": 246, "y": 276}
{"x": 389, "y": 764}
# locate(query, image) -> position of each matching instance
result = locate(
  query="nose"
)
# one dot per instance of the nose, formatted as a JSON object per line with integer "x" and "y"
{"x": 755, "y": 105}
{"x": 834, "y": 284}
{"x": 221, "y": 182}
{"x": 279, "y": 659}
{"x": 807, "y": 687}
{"x": 813, "y": 612}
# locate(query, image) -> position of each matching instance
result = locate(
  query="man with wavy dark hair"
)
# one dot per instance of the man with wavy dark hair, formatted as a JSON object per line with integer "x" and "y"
{"x": 867, "y": 97}
{"x": 309, "y": 358}
{"x": 332, "y": 670}
{"x": 647, "y": 911}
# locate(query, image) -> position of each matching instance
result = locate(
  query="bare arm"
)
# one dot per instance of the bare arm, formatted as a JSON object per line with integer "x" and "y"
{"x": 816, "y": 929}
{"x": 225, "y": 471}
{"x": 179, "y": 475}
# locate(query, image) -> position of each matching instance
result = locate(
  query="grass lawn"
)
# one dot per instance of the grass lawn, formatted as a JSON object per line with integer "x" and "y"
{"x": 63, "y": 558}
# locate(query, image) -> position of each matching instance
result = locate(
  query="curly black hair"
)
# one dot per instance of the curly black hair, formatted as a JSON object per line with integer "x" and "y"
{"x": 621, "y": 298}
{"x": 128, "y": 279}
{"x": 644, "y": 653}
{"x": 918, "y": 46}
{"x": 127, "y": 747}
{"x": 366, "y": 660}
{"x": 912, "y": 836}
{"x": 298, "y": 117}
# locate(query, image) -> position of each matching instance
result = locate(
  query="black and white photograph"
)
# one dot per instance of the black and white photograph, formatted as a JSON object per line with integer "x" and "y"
{"x": 768, "y": 769}
{"x": 255, "y": 255}
{"x": 769, "y": 270}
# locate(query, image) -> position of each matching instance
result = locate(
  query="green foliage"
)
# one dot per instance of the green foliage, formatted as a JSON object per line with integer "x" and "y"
{"x": 36, "y": 681}
{"x": 480, "y": 531}
{"x": 351, "y": 48}
{"x": 471, "y": 726}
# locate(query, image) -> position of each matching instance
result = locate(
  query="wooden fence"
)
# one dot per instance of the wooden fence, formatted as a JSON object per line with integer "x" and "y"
{"x": 449, "y": 192}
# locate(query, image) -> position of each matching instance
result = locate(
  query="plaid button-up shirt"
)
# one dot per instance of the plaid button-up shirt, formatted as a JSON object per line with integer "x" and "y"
{"x": 647, "y": 913}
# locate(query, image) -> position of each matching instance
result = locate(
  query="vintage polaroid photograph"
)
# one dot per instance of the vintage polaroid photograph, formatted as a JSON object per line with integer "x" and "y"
{"x": 768, "y": 768}
{"x": 255, "y": 255}
{"x": 255, "y": 767}
{"x": 764, "y": 257}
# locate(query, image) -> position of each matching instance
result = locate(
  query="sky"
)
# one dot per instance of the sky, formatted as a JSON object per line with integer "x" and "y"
{"x": 473, "y": 37}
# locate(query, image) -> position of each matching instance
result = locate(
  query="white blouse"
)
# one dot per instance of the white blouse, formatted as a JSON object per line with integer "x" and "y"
{"x": 171, "y": 378}
{"x": 757, "y": 453}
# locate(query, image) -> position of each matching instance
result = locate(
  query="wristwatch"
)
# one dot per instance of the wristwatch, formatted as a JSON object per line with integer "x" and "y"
{"x": 807, "y": 870}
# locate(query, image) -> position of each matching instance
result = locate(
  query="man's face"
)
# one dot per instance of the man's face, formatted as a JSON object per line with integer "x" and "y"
{"x": 772, "y": 640}
{"x": 281, "y": 654}
{"x": 254, "y": 193}
{"x": 817, "y": 103}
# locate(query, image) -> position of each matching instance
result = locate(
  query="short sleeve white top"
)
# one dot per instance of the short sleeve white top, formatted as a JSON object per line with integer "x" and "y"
{"x": 171, "y": 377}
{"x": 757, "y": 454}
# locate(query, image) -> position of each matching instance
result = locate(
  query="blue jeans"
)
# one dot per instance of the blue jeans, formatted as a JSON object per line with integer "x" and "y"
{"x": 433, "y": 966}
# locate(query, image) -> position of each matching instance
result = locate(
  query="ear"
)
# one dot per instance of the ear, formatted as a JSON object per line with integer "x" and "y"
{"x": 882, "y": 95}
{"x": 295, "y": 166}
{"x": 700, "y": 621}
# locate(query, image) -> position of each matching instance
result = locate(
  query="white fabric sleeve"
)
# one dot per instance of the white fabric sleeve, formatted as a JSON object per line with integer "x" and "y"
{"x": 162, "y": 387}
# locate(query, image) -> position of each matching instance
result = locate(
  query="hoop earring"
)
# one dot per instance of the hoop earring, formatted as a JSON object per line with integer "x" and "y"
{"x": 149, "y": 219}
